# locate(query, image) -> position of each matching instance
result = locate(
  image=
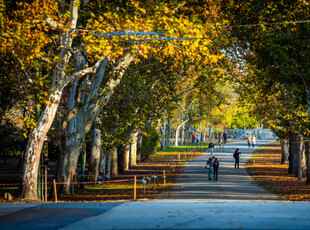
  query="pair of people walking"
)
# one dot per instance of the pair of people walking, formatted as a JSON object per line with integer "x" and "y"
{"x": 251, "y": 140}
{"x": 213, "y": 166}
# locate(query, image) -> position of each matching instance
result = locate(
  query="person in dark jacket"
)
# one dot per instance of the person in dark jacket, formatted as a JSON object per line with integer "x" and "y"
{"x": 225, "y": 138}
{"x": 211, "y": 147}
{"x": 237, "y": 157}
{"x": 216, "y": 165}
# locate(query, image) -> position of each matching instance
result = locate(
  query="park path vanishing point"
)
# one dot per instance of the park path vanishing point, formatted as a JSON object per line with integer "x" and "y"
{"x": 233, "y": 184}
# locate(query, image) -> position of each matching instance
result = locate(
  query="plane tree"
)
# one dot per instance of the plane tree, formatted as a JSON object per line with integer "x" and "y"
{"x": 277, "y": 53}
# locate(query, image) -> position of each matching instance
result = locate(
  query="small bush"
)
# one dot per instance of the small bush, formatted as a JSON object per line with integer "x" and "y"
{"x": 149, "y": 143}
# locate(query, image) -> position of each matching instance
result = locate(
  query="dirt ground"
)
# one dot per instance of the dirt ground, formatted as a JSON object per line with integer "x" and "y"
{"x": 266, "y": 169}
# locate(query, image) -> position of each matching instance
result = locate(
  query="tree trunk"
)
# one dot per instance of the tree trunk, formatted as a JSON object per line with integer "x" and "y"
{"x": 307, "y": 156}
{"x": 114, "y": 161}
{"x": 37, "y": 136}
{"x": 301, "y": 150}
{"x": 140, "y": 139}
{"x": 163, "y": 134}
{"x": 182, "y": 135}
{"x": 211, "y": 131}
{"x": 126, "y": 157}
{"x": 134, "y": 148}
{"x": 95, "y": 151}
{"x": 120, "y": 157}
{"x": 200, "y": 129}
{"x": 177, "y": 132}
{"x": 34, "y": 147}
{"x": 176, "y": 141}
{"x": 205, "y": 132}
{"x": 103, "y": 162}
{"x": 90, "y": 111}
{"x": 168, "y": 136}
{"x": 73, "y": 145}
{"x": 294, "y": 148}
{"x": 284, "y": 151}
{"x": 109, "y": 166}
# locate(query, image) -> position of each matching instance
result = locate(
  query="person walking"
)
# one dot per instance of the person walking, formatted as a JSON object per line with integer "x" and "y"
{"x": 193, "y": 138}
{"x": 211, "y": 147}
{"x": 216, "y": 165}
{"x": 225, "y": 138}
{"x": 220, "y": 140}
{"x": 237, "y": 157}
{"x": 210, "y": 166}
{"x": 201, "y": 138}
{"x": 253, "y": 141}
{"x": 249, "y": 141}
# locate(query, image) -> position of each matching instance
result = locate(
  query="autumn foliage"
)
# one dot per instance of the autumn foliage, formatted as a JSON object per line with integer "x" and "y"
{"x": 266, "y": 170}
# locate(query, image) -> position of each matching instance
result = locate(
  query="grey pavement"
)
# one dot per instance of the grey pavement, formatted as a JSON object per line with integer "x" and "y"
{"x": 233, "y": 203}
{"x": 233, "y": 184}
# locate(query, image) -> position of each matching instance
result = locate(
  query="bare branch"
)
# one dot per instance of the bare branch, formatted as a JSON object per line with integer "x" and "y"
{"x": 52, "y": 23}
{"x": 83, "y": 72}
{"x": 24, "y": 70}
{"x": 46, "y": 60}
{"x": 74, "y": 8}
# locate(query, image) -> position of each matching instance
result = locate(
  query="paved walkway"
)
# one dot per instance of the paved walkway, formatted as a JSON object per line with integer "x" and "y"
{"x": 196, "y": 204}
{"x": 233, "y": 184}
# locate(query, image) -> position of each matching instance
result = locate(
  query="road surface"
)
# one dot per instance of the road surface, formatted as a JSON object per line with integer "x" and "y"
{"x": 233, "y": 202}
{"x": 233, "y": 184}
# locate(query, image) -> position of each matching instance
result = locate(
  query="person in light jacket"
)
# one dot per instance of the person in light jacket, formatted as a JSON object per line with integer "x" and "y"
{"x": 253, "y": 141}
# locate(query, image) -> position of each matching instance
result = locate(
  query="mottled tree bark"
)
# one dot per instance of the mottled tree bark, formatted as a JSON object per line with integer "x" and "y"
{"x": 134, "y": 148}
{"x": 294, "y": 148}
{"x": 114, "y": 161}
{"x": 95, "y": 150}
{"x": 284, "y": 150}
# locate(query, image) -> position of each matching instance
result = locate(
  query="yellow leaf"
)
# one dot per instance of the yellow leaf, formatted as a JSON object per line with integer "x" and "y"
{"x": 48, "y": 102}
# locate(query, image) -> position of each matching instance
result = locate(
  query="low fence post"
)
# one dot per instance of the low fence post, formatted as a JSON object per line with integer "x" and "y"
{"x": 164, "y": 175}
{"x": 55, "y": 190}
{"x": 45, "y": 183}
{"x": 144, "y": 185}
{"x": 135, "y": 188}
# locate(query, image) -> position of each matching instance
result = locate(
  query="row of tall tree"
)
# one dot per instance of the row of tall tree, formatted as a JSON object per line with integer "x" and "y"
{"x": 271, "y": 63}
{"x": 117, "y": 70}
{"x": 99, "y": 60}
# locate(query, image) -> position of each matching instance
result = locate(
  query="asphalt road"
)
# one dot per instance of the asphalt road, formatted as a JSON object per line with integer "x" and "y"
{"x": 232, "y": 203}
{"x": 232, "y": 185}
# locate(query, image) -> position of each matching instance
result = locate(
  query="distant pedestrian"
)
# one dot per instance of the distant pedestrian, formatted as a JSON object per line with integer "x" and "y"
{"x": 249, "y": 141}
{"x": 216, "y": 165}
{"x": 197, "y": 139}
{"x": 210, "y": 167}
{"x": 237, "y": 157}
{"x": 193, "y": 139}
{"x": 220, "y": 140}
{"x": 211, "y": 147}
{"x": 201, "y": 138}
{"x": 225, "y": 138}
{"x": 253, "y": 141}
